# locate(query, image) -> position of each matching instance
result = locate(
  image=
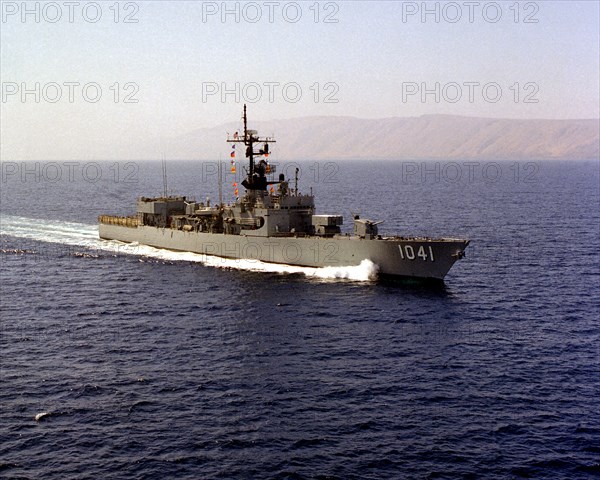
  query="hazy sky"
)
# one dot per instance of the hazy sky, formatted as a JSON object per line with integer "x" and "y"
{"x": 366, "y": 59}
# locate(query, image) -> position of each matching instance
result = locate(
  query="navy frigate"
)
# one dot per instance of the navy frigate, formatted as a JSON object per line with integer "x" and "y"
{"x": 273, "y": 222}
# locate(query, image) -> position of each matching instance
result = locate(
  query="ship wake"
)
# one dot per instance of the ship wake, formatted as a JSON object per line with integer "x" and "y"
{"x": 86, "y": 236}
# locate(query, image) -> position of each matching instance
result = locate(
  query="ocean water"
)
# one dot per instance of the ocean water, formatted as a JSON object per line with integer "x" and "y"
{"x": 124, "y": 361}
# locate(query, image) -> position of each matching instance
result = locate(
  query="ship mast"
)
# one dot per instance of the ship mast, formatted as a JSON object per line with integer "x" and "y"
{"x": 245, "y": 118}
{"x": 256, "y": 179}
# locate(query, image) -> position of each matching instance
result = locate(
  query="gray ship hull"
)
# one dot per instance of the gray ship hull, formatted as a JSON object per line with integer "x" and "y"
{"x": 422, "y": 258}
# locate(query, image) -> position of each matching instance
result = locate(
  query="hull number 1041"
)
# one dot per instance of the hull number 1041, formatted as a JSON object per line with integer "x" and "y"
{"x": 407, "y": 252}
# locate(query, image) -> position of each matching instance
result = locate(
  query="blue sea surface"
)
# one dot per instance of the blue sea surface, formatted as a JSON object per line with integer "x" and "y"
{"x": 119, "y": 363}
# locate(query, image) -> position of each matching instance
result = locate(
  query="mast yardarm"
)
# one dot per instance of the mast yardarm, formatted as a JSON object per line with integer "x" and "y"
{"x": 256, "y": 178}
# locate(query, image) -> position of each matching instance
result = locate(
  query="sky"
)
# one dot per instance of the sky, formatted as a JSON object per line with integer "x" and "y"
{"x": 94, "y": 80}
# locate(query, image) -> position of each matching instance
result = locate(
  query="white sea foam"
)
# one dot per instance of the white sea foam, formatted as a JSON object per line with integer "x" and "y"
{"x": 83, "y": 235}
{"x": 41, "y": 416}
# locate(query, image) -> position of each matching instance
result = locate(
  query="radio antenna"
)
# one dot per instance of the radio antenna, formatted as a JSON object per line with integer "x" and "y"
{"x": 164, "y": 174}
{"x": 220, "y": 183}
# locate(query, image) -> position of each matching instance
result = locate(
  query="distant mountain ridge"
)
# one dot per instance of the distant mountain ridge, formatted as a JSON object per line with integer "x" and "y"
{"x": 428, "y": 137}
